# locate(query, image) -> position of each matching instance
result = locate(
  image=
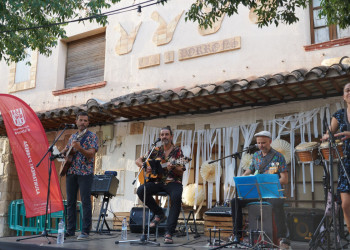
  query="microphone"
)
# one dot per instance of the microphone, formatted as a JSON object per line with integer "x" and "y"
{"x": 69, "y": 125}
{"x": 255, "y": 146}
{"x": 158, "y": 140}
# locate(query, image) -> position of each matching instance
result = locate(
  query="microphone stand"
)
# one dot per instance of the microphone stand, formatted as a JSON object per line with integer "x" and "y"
{"x": 236, "y": 156}
{"x": 144, "y": 240}
{"x": 332, "y": 146}
{"x": 51, "y": 159}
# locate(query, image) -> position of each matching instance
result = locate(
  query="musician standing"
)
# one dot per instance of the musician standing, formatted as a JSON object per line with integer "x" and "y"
{"x": 80, "y": 174}
{"x": 262, "y": 163}
{"x": 170, "y": 182}
{"x": 340, "y": 120}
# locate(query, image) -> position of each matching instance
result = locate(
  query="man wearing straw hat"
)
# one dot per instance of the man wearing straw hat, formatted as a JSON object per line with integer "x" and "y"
{"x": 265, "y": 161}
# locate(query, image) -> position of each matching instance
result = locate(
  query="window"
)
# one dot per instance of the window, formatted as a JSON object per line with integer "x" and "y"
{"x": 85, "y": 61}
{"x": 22, "y": 75}
{"x": 320, "y": 32}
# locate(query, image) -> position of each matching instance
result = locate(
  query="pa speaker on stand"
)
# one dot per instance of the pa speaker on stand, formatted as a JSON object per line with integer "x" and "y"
{"x": 107, "y": 186}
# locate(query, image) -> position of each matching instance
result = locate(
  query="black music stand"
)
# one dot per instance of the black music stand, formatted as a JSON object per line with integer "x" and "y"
{"x": 263, "y": 186}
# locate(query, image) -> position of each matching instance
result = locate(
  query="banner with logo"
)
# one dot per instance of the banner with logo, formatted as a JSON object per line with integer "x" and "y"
{"x": 29, "y": 144}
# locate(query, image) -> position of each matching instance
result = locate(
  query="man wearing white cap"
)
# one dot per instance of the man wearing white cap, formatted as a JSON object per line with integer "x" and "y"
{"x": 265, "y": 161}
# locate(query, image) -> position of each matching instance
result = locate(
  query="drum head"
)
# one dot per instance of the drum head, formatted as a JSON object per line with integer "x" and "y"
{"x": 306, "y": 146}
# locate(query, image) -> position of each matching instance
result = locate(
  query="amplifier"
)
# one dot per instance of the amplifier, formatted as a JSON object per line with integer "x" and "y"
{"x": 136, "y": 220}
{"x": 302, "y": 222}
{"x": 104, "y": 185}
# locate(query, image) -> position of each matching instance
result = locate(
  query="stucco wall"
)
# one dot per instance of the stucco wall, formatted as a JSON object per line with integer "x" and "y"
{"x": 263, "y": 51}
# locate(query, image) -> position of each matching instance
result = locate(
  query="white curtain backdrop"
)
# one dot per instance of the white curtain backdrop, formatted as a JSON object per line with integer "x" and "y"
{"x": 226, "y": 141}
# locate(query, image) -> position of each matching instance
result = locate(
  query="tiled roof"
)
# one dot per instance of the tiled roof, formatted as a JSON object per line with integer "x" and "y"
{"x": 300, "y": 84}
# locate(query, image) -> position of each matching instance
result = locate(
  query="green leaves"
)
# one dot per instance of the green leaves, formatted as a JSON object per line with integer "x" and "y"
{"x": 268, "y": 11}
{"x": 18, "y": 18}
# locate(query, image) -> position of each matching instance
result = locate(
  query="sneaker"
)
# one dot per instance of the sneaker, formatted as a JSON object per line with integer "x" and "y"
{"x": 83, "y": 236}
{"x": 68, "y": 234}
{"x": 284, "y": 244}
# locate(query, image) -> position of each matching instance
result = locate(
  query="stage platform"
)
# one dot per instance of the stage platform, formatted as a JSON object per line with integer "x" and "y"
{"x": 107, "y": 242}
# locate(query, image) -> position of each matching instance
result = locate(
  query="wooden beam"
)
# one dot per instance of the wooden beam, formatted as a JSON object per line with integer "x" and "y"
{"x": 320, "y": 88}
{"x": 264, "y": 97}
{"x": 289, "y": 91}
{"x": 159, "y": 107}
{"x": 123, "y": 114}
{"x": 235, "y": 98}
{"x": 305, "y": 90}
{"x": 212, "y": 102}
{"x": 224, "y": 100}
{"x": 199, "y": 103}
{"x": 252, "y": 99}
{"x": 336, "y": 86}
{"x": 276, "y": 94}
{"x": 141, "y": 109}
{"x": 179, "y": 104}
{"x": 184, "y": 102}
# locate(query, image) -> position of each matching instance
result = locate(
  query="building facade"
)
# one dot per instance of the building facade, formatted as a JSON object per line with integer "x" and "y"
{"x": 147, "y": 70}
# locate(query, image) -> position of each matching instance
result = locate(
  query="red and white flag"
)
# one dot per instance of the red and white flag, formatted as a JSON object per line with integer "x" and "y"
{"x": 29, "y": 144}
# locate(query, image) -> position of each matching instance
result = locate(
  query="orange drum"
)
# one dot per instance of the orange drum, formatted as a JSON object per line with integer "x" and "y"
{"x": 324, "y": 149}
{"x": 307, "y": 152}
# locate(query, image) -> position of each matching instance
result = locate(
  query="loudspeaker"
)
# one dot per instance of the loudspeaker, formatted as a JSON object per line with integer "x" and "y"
{"x": 302, "y": 222}
{"x": 136, "y": 219}
{"x": 254, "y": 218}
{"x": 104, "y": 185}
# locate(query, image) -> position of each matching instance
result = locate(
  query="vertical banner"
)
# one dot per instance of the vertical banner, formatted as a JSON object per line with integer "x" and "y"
{"x": 29, "y": 144}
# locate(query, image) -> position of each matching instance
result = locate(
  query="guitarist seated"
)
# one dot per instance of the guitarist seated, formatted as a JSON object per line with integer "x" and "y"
{"x": 169, "y": 181}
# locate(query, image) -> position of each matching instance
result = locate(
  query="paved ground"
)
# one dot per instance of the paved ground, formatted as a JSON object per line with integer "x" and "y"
{"x": 103, "y": 241}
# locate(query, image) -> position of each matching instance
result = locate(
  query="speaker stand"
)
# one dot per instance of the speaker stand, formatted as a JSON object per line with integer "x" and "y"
{"x": 103, "y": 215}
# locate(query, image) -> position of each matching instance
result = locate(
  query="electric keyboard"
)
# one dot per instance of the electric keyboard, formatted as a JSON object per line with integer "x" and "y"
{"x": 219, "y": 211}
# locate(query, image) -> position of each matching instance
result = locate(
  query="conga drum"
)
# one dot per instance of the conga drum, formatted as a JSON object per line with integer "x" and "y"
{"x": 324, "y": 149}
{"x": 306, "y": 152}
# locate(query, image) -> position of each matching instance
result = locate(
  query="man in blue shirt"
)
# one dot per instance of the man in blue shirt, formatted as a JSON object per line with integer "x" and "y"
{"x": 265, "y": 161}
{"x": 84, "y": 145}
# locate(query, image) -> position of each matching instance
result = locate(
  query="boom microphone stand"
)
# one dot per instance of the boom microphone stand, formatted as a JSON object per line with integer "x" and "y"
{"x": 51, "y": 159}
{"x": 316, "y": 240}
{"x": 236, "y": 156}
{"x": 144, "y": 240}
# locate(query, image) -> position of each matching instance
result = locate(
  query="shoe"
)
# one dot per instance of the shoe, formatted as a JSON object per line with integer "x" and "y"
{"x": 83, "y": 236}
{"x": 168, "y": 239}
{"x": 68, "y": 234}
{"x": 284, "y": 244}
{"x": 157, "y": 220}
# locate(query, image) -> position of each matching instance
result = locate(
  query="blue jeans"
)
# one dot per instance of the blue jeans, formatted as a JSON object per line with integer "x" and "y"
{"x": 174, "y": 190}
{"x": 84, "y": 184}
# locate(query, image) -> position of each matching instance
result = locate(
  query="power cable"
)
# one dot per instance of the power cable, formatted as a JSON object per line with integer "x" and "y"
{"x": 106, "y": 14}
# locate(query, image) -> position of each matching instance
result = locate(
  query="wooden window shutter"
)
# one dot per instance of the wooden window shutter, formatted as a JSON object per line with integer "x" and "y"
{"x": 85, "y": 61}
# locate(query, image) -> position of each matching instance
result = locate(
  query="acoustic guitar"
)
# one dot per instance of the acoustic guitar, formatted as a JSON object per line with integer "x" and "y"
{"x": 69, "y": 155}
{"x": 163, "y": 164}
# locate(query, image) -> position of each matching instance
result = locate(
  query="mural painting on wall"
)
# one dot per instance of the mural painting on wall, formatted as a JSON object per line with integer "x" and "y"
{"x": 164, "y": 33}
{"x": 126, "y": 41}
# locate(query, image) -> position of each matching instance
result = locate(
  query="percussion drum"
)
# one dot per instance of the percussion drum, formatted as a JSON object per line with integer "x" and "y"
{"x": 307, "y": 152}
{"x": 324, "y": 149}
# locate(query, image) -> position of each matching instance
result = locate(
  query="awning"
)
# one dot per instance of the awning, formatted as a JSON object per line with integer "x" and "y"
{"x": 298, "y": 85}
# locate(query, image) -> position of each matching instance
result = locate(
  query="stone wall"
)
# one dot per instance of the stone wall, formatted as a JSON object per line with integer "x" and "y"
{"x": 9, "y": 185}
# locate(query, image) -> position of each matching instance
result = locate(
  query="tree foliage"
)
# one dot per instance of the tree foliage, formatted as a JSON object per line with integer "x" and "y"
{"x": 268, "y": 11}
{"x": 17, "y": 19}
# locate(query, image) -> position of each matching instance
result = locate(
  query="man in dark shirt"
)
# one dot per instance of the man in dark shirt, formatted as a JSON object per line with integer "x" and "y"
{"x": 169, "y": 182}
